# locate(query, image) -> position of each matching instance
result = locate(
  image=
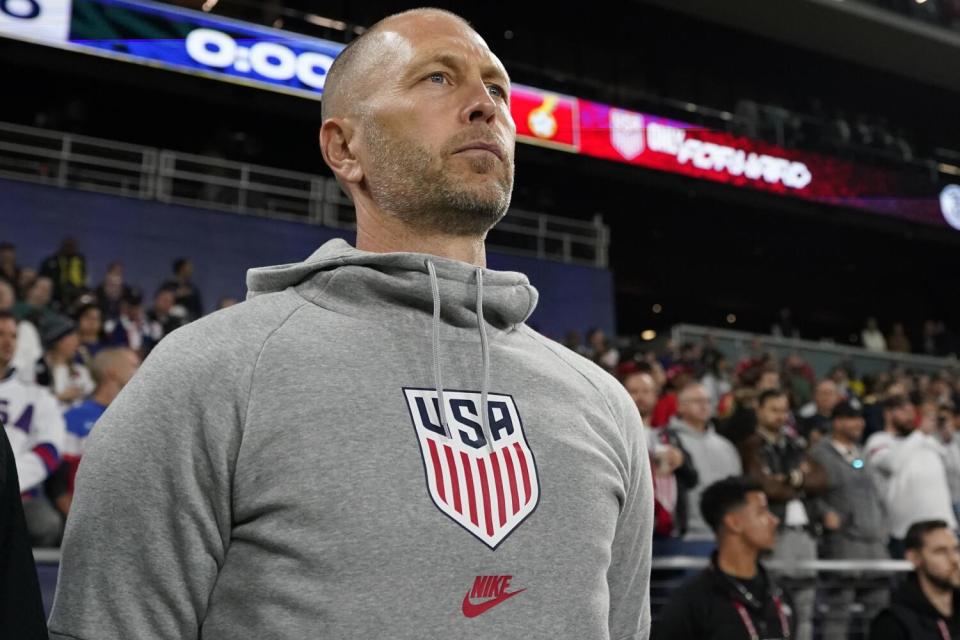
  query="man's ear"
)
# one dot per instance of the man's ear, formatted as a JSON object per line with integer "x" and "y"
{"x": 731, "y": 522}
{"x": 336, "y": 145}
{"x": 913, "y": 557}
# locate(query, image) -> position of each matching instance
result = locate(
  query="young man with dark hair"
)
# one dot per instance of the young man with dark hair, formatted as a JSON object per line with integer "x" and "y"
{"x": 733, "y": 597}
{"x": 777, "y": 457}
{"x": 924, "y": 606}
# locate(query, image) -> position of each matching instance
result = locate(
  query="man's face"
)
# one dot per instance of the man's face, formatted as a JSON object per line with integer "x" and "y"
{"x": 8, "y": 257}
{"x": 643, "y": 390}
{"x": 773, "y": 413}
{"x": 902, "y": 418}
{"x": 7, "y": 298}
{"x": 163, "y": 302}
{"x": 41, "y": 292}
{"x": 826, "y": 397}
{"x": 768, "y": 380}
{"x": 8, "y": 342}
{"x": 850, "y": 428}
{"x": 440, "y": 90}
{"x": 755, "y": 522}
{"x": 693, "y": 405}
{"x": 938, "y": 559}
{"x": 90, "y": 322}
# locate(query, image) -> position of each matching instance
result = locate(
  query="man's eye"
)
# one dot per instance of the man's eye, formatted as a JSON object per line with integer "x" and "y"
{"x": 497, "y": 91}
{"x": 437, "y": 78}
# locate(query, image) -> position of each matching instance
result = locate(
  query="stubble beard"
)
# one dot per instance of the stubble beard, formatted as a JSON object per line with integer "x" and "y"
{"x": 408, "y": 182}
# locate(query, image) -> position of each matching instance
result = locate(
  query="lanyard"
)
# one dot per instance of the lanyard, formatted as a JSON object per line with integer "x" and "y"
{"x": 784, "y": 624}
{"x": 943, "y": 629}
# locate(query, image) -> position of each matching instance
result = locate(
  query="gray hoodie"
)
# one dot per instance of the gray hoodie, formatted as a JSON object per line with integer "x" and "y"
{"x": 282, "y": 469}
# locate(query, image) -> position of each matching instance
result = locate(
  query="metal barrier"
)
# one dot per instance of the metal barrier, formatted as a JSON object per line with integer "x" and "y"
{"x": 848, "y": 592}
{"x": 92, "y": 164}
{"x": 820, "y": 355}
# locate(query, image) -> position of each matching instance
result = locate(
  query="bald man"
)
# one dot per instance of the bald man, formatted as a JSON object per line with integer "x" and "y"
{"x": 374, "y": 444}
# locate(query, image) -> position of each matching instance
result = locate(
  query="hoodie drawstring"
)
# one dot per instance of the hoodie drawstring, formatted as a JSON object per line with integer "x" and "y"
{"x": 484, "y": 352}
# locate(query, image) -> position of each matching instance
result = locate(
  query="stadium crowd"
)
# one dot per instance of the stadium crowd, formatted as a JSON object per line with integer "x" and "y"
{"x": 847, "y": 463}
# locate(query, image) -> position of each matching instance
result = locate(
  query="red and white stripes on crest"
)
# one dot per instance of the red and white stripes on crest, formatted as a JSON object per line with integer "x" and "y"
{"x": 487, "y": 488}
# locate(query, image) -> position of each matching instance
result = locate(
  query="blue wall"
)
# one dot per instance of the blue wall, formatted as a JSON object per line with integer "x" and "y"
{"x": 147, "y": 236}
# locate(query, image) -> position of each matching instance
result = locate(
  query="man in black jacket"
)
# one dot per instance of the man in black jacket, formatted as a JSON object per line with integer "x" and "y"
{"x": 927, "y": 603}
{"x": 733, "y": 598}
{"x": 21, "y": 609}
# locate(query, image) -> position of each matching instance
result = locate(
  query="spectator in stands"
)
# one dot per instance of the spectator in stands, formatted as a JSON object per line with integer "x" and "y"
{"x": 35, "y": 428}
{"x": 936, "y": 341}
{"x": 186, "y": 293}
{"x": 799, "y": 380}
{"x": 89, "y": 321}
{"x": 67, "y": 269}
{"x": 58, "y": 369}
{"x": 712, "y": 455}
{"x": 601, "y": 351}
{"x": 852, "y": 519}
{"x": 36, "y": 305}
{"x": 776, "y": 456}
{"x": 132, "y": 328}
{"x": 28, "y": 276}
{"x": 873, "y": 411}
{"x": 32, "y": 313}
{"x": 677, "y": 378}
{"x": 8, "y": 296}
{"x": 948, "y": 430}
{"x": 816, "y": 416}
{"x": 9, "y": 270}
{"x": 21, "y": 606}
{"x": 910, "y": 464}
{"x": 112, "y": 370}
{"x": 897, "y": 341}
{"x": 733, "y": 598}
{"x": 674, "y": 473}
{"x": 112, "y": 291}
{"x": 784, "y": 327}
{"x": 926, "y": 605}
{"x": 872, "y": 338}
{"x": 717, "y": 379}
{"x": 161, "y": 316}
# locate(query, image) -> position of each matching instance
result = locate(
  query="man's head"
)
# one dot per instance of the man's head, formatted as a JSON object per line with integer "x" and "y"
{"x": 40, "y": 292}
{"x": 183, "y": 268}
{"x": 89, "y": 320}
{"x": 8, "y": 340}
{"x": 68, "y": 247}
{"x": 847, "y": 421}
{"x": 417, "y": 125}
{"x": 933, "y": 550}
{"x": 826, "y": 396}
{"x": 769, "y": 379}
{"x": 7, "y": 296}
{"x": 773, "y": 410}
{"x": 59, "y": 337}
{"x": 8, "y": 255}
{"x": 899, "y": 413}
{"x": 115, "y": 367}
{"x": 643, "y": 390}
{"x": 736, "y": 507}
{"x": 163, "y": 302}
{"x": 693, "y": 405}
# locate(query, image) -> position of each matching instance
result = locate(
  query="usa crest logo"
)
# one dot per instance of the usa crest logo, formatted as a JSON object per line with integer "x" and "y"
{"x": 488, "y": 493}
{"x": 626, "y": 133}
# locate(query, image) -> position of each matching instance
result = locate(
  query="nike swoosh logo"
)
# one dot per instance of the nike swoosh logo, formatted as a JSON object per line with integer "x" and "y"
{"x": 473, "y": 610}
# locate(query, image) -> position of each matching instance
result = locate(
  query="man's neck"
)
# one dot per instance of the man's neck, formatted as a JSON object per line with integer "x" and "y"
{"x": 383, "y": 233}
{"x": 737, "y": 559}
{"x": 769, "y": 433}
{"x": 941, "y": 599}
{"x": 105, "y": 393}
{"x": 696, "y": 426}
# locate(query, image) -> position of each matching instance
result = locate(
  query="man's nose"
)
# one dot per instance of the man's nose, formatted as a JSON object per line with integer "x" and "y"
{"x": 481, "y": 105}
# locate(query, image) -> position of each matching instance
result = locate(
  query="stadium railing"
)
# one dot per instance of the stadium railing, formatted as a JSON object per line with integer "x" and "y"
{"x": 822, "y": 356}
{"x": 67, "y": 160}
{"x": 831, "y": 578}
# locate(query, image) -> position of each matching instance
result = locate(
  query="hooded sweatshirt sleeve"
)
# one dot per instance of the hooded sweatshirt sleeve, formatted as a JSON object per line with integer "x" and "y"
{"x": 629, "y": 575}
{"x": 151, "y": 520}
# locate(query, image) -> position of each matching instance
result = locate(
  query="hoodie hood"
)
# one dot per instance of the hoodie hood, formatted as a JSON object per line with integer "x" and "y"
{"x": 909, "y": 595}
{"x": 414, "y": 288}
{"x": 346, "y": 279}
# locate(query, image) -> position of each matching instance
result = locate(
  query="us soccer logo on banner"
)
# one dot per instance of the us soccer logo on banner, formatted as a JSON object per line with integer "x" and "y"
{"x": 488, "y": 493}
